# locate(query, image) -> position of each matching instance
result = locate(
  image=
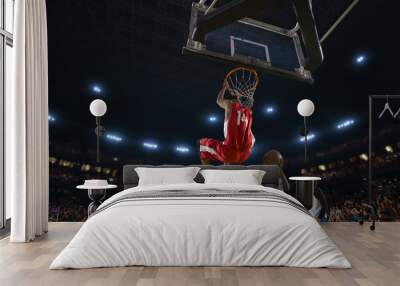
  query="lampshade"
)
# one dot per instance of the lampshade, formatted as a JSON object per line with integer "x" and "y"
{"x": 305, "y": 107}
{"x": 98, "y": 107}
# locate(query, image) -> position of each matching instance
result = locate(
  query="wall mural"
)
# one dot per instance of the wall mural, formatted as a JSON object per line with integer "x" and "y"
{"x": 168, "y": 94}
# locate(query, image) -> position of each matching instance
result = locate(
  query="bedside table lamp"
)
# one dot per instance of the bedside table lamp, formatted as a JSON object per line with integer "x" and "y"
{"x": 98, "y": 108}
{"x": 305, "y": 108}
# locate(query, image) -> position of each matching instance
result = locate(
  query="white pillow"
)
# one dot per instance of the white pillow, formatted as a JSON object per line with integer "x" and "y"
{"x": 165, "y": 176}
{"x": 248, "y": 177}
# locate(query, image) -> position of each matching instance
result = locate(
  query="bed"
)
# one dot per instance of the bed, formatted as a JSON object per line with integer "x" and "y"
{"x": 198, "y": 224}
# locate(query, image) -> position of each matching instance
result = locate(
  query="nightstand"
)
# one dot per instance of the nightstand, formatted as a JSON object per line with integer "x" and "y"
{"x": 305, "y": 187}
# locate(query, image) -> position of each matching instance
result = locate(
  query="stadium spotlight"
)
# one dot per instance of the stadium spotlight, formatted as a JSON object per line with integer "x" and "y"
{"x": 212, "y": 118}
{"x": 51, "y": 118}
{"x": 97, "y": 89}
{"x": 114, "y": 137}
{"x": 360, "y": 59}
{"x": 150, "y": 145}
{"x": 182, "y": 149}
{"x": 310, "y": 137}
{"x": 345, "y": 124}
{"x": 269, "y": 110}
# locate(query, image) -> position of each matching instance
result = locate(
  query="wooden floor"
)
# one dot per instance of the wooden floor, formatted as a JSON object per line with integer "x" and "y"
{"x": 375, "y": 257}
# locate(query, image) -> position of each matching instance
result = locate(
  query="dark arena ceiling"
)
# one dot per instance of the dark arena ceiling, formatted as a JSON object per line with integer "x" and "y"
{"x": 132, "y": 50}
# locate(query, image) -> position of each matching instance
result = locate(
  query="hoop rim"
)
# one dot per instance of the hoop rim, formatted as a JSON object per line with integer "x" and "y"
{"x": 252, "y": 70}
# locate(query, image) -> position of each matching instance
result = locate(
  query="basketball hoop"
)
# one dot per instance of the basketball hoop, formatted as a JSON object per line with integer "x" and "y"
{"x": 242, "y": 81}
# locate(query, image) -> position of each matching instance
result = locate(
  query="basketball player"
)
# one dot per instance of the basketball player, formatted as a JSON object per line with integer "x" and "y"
{"x": 239, "y": 139}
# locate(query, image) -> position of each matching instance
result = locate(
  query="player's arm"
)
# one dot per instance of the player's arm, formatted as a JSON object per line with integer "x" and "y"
{"x": 221, "y": 101}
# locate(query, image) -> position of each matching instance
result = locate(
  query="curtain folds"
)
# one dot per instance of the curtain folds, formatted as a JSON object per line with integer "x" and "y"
{"x": 27, "y": 121}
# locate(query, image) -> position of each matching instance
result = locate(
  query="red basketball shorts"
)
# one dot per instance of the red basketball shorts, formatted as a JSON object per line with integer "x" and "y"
{"x": 211, "y": 149}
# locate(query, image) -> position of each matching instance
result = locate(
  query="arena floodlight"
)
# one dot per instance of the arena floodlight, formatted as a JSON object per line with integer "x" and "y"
{"x": 212, "y": 118}
{"x": 310, "y": 137}
{"x": 114, "y": 137}
{"x": 182, "y": 149}
{"x": 345, "y": 124}
{"x": 269, "y": 110}
{"x": 97, "y": 89}
{"x": 360, "y": 59}
{"x": 150, "y": 145}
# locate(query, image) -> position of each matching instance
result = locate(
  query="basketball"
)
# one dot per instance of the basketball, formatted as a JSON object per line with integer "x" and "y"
{"x": 273, "y": 157}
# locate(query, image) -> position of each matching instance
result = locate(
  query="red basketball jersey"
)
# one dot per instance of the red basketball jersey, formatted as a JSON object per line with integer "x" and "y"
{"x": 238, "y": 133}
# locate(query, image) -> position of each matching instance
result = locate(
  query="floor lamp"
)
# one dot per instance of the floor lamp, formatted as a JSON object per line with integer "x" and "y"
{"x": 98, "y": 108}
{"x": 305, "y": 108}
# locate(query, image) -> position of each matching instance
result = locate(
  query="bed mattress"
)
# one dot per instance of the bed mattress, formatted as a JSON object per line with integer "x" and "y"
{"x": 201, "y": 225}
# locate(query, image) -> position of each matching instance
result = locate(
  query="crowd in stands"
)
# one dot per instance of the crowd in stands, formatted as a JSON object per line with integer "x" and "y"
{"x": 345, "y": 182}
{"x": 349, "y": 202}
{"x": 66, "y": 202}
{"x": 344, "y": 170}
{"x": 387, "y": 209}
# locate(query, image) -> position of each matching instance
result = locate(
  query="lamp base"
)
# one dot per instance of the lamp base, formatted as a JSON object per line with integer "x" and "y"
{"x": 97, "y": 196}
{"x": 305, "y": 192}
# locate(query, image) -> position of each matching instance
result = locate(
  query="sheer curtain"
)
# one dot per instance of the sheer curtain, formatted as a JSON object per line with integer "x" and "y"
{"x": 27, "y": 124}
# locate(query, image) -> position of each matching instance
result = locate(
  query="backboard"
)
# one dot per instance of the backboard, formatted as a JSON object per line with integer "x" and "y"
{"x": 253, "y": 43}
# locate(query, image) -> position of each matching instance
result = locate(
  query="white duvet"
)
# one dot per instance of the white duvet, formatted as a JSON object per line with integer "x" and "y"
{"x": 193, "y": 231}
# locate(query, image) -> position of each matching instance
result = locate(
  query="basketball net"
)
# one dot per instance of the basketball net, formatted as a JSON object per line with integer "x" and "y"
{"x": 242, "y": 81}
